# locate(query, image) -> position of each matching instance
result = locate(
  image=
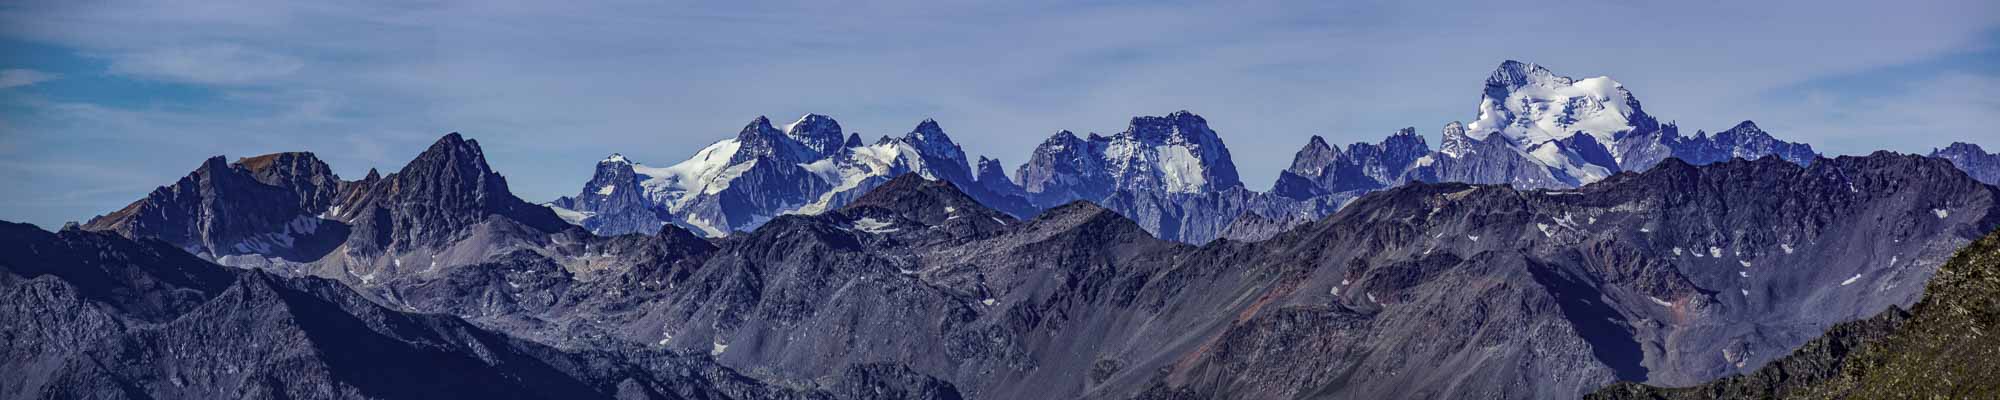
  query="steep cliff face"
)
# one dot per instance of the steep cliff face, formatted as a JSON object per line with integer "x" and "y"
{"x": 448, "y": 186}
{"x": 260, "y": 205}
{"x": 287, "y": 213}
{"x": 613, "y": 202}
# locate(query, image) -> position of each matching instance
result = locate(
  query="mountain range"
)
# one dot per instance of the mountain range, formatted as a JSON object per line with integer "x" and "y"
{"x": 1562, "y": 243}
{"x": 1173, "y": 174}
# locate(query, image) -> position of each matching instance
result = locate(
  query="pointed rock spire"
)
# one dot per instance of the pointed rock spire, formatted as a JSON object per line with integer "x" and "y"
{"x": 991, "y": 174}
{"x": 1745, "y": 130}
{"x": 449, "y": 187}
{"x": 946, "y": 158}
{"x": 1454, "y": 142}
{"x": 1315, "y": 156}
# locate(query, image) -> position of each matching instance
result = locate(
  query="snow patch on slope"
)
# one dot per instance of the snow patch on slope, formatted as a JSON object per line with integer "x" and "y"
{"x": 1180, "y": 170}
{"x": 874, "y": 226}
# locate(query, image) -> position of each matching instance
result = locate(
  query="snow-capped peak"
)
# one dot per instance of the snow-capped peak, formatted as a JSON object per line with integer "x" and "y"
{"x": 615, "y": 158}
{"x": 931, "y": 141}
{"x": 818, "y": 133}
{"x": 1455, "y": 143}
{"x": 1176, "y": 153}
{"x": 1530, "y": 105}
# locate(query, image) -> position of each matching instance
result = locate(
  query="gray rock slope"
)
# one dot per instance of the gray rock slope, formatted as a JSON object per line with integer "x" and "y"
{"x": 93, "y": 315}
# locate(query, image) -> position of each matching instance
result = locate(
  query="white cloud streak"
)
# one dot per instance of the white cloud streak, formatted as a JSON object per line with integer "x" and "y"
{"x": 18, "y": 77}
{"x": 214, "y": 64}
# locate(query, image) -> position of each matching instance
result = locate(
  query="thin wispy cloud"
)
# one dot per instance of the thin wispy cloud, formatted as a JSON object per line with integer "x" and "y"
{"x": 17, "y": 77}
{"x": 550, "y": 88}
{"x": 216, "y": 64}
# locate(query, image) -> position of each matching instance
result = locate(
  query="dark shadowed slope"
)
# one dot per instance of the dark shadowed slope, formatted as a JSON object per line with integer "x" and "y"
{"x": 92, "y": 315}
{"x": 1947, "y": 346}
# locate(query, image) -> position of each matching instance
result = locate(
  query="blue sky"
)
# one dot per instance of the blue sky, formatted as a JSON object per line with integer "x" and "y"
{"x": 100, "y": 102}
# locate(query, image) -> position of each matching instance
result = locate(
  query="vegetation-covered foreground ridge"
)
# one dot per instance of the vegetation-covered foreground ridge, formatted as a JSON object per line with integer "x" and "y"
{"x": 1945, "y": 347}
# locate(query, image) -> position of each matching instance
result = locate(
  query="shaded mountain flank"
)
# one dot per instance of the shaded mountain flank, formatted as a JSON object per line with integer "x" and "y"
{"x": 1944, "y": 347}
{"x": 92, "y": 315}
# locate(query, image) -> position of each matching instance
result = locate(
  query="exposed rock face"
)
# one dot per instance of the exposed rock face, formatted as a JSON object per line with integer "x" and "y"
{"x": 613, "y": 202}
{"x": 1969, "y": 157}
{"x": 259, "y": 205}
{"x": 445, "y": 208}
{"x": 448, "y": 186}
{"x": 287, "y": 213}
{"x": 1177, "y": 153}
{"x": 993, "y": 176}
{"x": 310, "y": 180}
{"x": 1319, "y": 169}
{"x": 1066, "y": 168}
{"x": 1944, "y": 347}
{"x": 1171, "y": 174}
